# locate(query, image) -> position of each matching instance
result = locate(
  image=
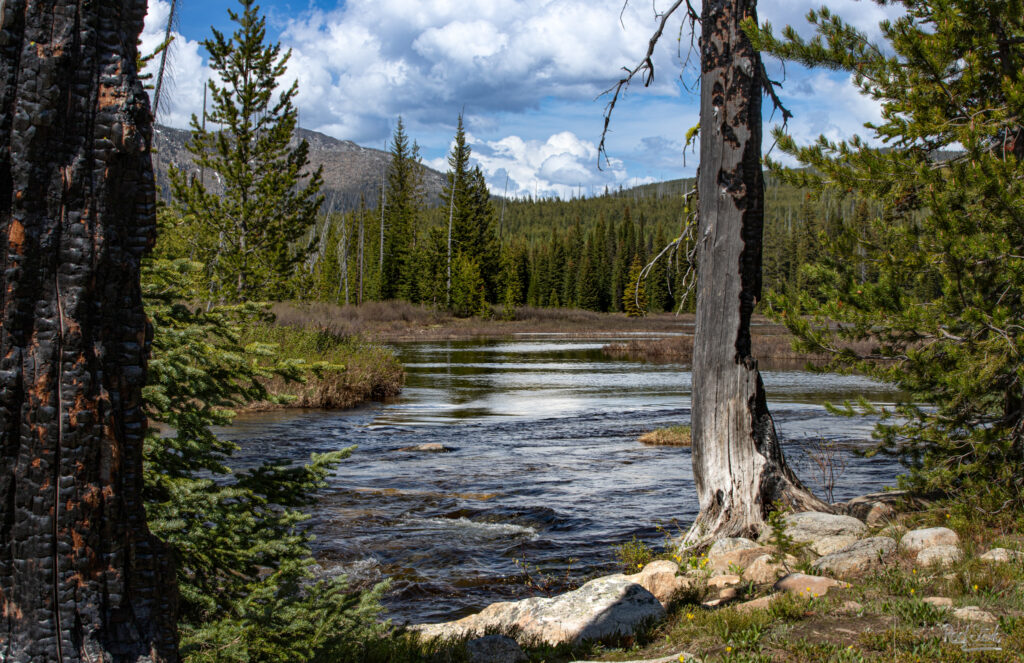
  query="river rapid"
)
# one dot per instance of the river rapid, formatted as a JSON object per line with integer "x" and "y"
{"x": 545, "y": 477}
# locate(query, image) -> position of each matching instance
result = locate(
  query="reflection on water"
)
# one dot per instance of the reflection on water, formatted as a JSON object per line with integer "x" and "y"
{"x": 545, "y": 465}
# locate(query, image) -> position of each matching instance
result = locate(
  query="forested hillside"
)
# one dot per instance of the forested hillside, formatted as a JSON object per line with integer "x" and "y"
{"x": 579, "y": 253}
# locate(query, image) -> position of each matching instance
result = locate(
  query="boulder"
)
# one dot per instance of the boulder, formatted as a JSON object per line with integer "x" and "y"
{"x": 1003, "y": 556}
{"x": 428, "y": 447}
{"x": 939, "y": 601}
{"x": 874, "y": 508}
{"x": 917, "y": 540}
{"x": 805, "y": 585}
{"x": 763, "y": 570}
{"x": 728, "y": 545}
{"x": 601, "y": 609}
{"x": 973, "y": 613}
{"x": 495, "y": 649}
{"x": 718, "y": 582}
{"x": 727, "y": 563}
{"x": 662, "y": 579}
{"x": 762, "y": 603}
{"x": 724, "y": 596}
{"x": 859, "y": 557}
{"x": 939, "y": 556}
{"x": 830, "y": 544}
{"x": 812, "y": 526}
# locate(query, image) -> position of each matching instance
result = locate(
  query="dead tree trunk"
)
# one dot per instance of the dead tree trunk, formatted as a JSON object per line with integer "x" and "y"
{"x": 738, "y": 464}
{"x": 81, "y": 577}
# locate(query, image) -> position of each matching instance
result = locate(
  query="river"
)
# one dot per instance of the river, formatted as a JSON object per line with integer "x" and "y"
{"x": 546, "y": 474}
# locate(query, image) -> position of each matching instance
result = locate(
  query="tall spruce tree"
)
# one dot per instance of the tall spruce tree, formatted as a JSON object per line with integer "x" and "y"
{"x": 404, "y": 205}
{"x": 250, "y": 238}
{"x": 950, "y": 184}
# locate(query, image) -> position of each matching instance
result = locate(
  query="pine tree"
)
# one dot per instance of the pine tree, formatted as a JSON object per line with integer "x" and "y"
{"x": 401, "y": 214}
{"x": 950, "y": 78}
{"x": 634, "y": 297}
{"x": 249, "y": 238}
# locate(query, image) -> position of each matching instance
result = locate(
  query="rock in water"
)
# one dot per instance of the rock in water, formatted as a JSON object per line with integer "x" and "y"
{"x": 429, "y": 447}
{"x": 601, "y": 609}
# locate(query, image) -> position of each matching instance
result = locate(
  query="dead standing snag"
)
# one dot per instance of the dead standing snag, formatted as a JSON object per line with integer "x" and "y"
{"x": 81, "y": 578}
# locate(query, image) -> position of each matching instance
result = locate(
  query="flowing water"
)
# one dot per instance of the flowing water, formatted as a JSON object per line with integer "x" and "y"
{"x": 545, "y": 477}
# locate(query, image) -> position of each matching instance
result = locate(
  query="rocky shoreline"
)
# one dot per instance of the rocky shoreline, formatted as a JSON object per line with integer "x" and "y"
{"x": 806, "y": 557}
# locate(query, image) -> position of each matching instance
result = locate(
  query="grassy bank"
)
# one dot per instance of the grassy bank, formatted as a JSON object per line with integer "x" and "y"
{"x": 402, "y": 321}
{"x": 770, "y": 342}
{"x": 361, "y": 370}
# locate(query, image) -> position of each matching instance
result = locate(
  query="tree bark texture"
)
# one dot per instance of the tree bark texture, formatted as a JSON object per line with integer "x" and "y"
{"x": 738, "y": 464}
{"x": 81, "y": 577}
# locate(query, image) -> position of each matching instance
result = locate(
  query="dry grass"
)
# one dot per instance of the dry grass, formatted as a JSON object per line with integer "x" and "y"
{"x": 770, "y": 342}
{"x": 402, "y": 321}
{"x": 673, "y": 436}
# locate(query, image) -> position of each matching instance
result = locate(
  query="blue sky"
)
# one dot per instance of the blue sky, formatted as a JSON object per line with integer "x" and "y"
{"x": 527, "y": 73}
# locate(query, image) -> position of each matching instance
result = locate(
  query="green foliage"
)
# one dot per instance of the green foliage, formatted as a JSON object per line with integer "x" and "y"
{"x": 633, "y": 555}
{"x": 468, "y": 295}
{"x": 934, "y": 278}
{"x": 253, "y": 237}
{"x": 242, "y": 556}
{"x": 401, "y": 212}
{"x": 634, "y": 296}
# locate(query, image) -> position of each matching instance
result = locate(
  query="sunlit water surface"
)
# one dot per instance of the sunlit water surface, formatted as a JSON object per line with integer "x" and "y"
{"x": 545, "y": 473}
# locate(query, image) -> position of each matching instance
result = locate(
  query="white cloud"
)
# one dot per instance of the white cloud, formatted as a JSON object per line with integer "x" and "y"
{"x": 562, "y": 165}
{"x": 185, "y": 73}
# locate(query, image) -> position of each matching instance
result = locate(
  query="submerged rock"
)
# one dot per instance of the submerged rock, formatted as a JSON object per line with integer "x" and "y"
{"x": 428, "y": 447}
{"x": 601, "y": 609}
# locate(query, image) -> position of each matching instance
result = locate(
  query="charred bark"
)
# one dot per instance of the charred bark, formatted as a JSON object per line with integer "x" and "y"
{"x": 81, "y": 577}
{"x": 738, "y": 464}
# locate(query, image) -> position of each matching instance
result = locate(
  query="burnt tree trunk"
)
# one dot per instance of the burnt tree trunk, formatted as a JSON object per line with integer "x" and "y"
{"x": 81, "y": 577}
{"x": 738, "y": 464}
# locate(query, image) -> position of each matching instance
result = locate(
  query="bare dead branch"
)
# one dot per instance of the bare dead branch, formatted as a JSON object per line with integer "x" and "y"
{"x": 646, "y": 66}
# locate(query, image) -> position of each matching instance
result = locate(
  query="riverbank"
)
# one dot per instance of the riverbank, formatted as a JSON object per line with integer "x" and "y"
{"x": 397, "y": 321}
{"x": 359, "y": 370}
{"x": 887, "y": 585}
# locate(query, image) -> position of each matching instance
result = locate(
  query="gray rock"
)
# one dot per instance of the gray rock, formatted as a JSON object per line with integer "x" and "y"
{"x": 830, "y": 544}
{"x": 973, "y": 613}
{"x": 602, "y": 608}
{"x": 943, "y": 555}
{"x": 727, "y": 545}
{"x": 875, "y": 508}
{"x": 939, "y": 601}
{"x": 428, "y": 447}
{"x": 806, "y": 586}
{"x": 1003, "y": 556}
{"x": 858, "y": 557}
{"x": 917, "y": 540}
{"x": 661, "y": 578}
{"x": 812, "y": 526}
{"x": 495, "y": 649}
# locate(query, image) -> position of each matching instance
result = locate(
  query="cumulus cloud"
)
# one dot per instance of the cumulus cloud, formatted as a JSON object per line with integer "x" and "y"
{"x": 562, "y": 165}
{"x": 526, "y": 72}
{"x": 185, "y": 73}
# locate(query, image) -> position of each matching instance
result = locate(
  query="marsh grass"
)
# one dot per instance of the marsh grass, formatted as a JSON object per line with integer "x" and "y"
{"x": 673, "y": 436}
{"x": 353, "y": 370}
